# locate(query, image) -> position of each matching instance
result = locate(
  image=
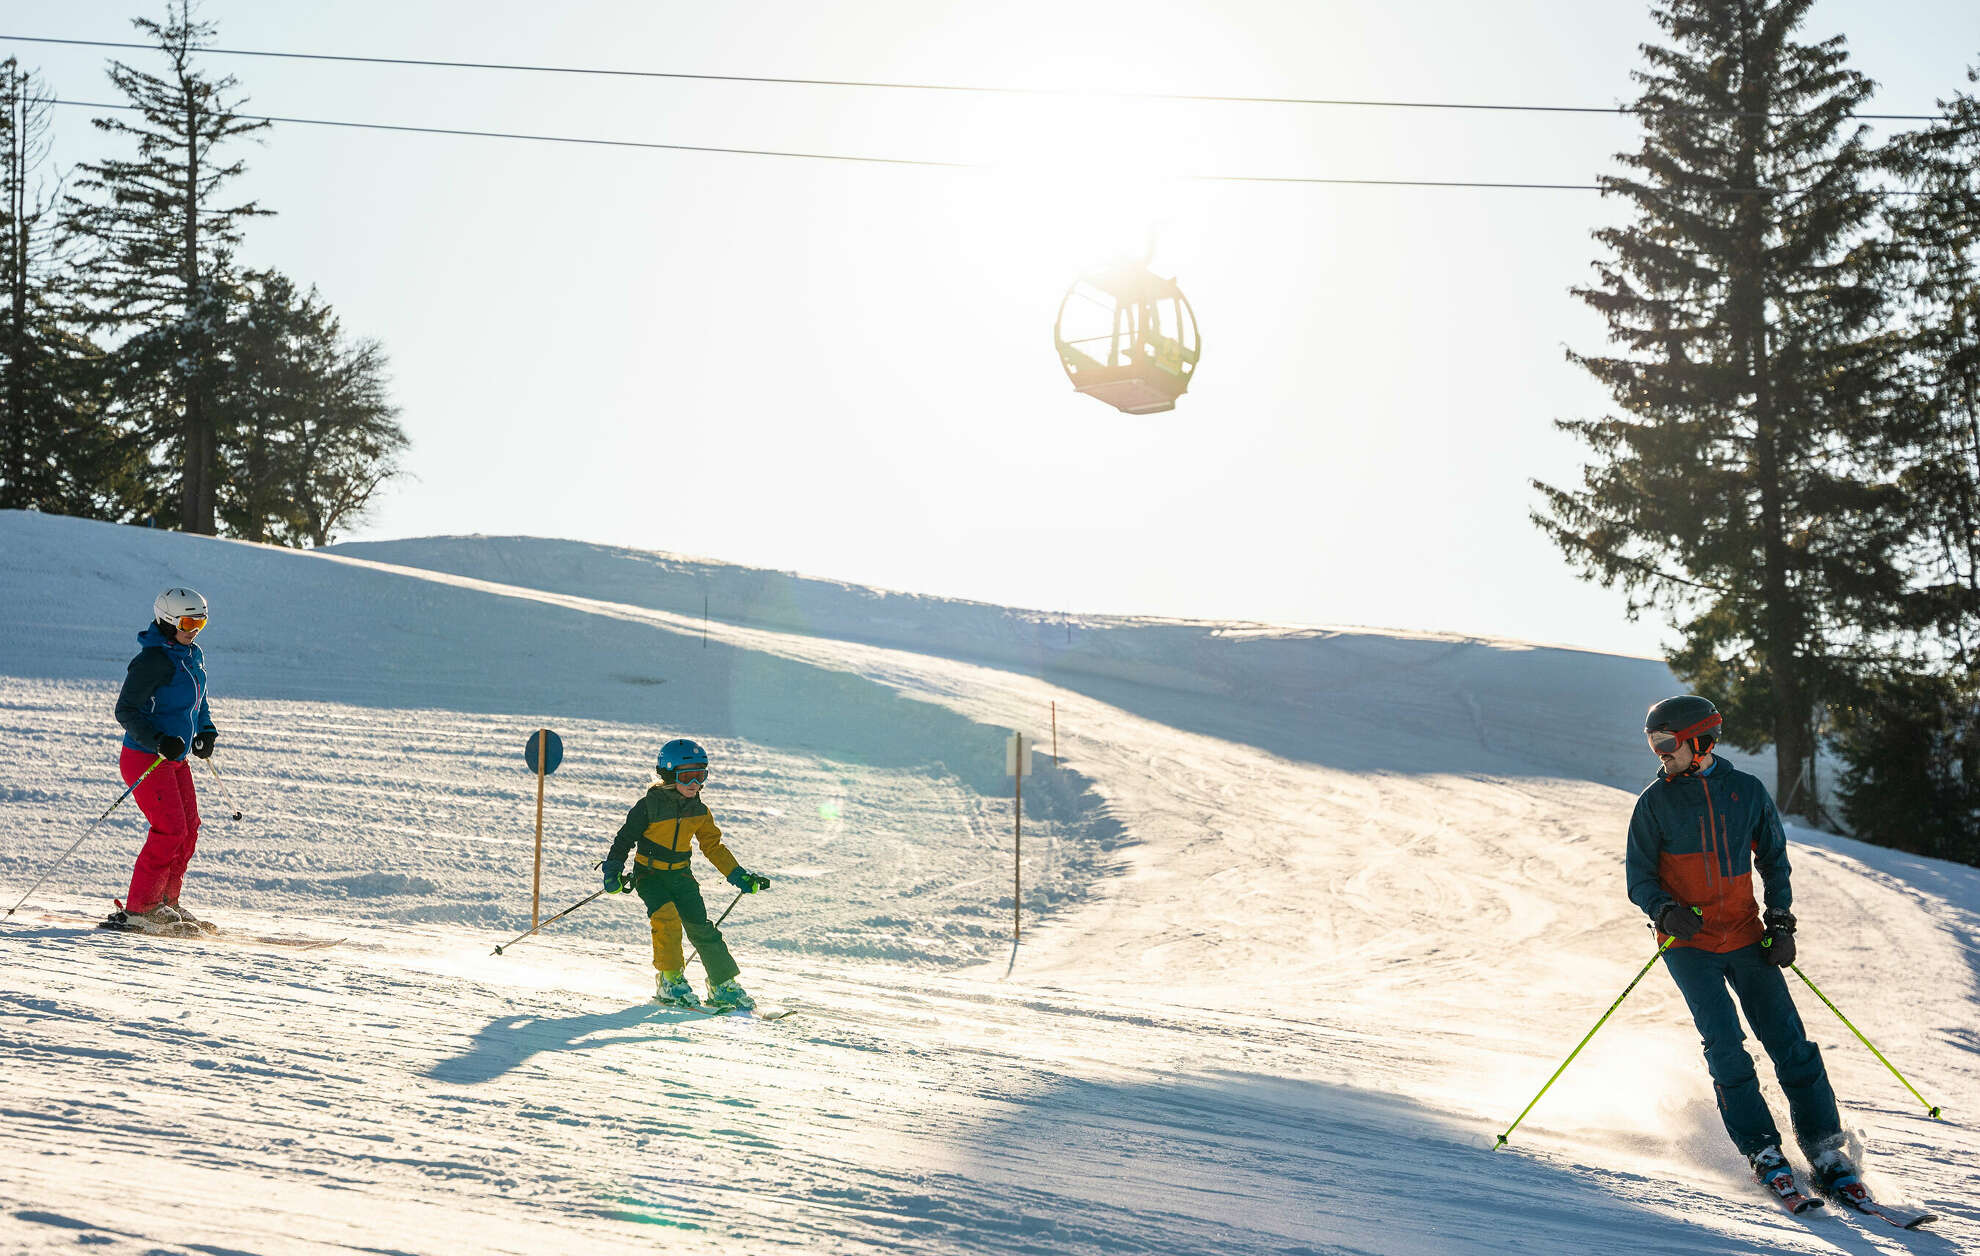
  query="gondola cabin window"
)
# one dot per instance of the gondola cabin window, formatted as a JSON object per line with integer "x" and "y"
{"x": 1128, "y": 337}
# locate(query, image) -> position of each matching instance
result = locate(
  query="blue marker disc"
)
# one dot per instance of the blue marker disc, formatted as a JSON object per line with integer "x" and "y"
{"x": 553, "y": 751}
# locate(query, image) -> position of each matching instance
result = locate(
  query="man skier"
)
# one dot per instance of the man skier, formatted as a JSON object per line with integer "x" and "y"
{"x": 656, "y": 833}
{"x": 1697, "y": 835}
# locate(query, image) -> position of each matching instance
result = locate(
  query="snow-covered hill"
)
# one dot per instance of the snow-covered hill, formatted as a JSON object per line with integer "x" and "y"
{"x": 1310, "y": 915}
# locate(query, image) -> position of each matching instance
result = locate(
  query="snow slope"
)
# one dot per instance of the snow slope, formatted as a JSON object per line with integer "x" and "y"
{"x": 1310, "y": 915}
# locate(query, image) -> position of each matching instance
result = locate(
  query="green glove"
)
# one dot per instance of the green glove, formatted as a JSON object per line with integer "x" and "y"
{"x": 748, "y": 882}
{"x": 615, "y": 880}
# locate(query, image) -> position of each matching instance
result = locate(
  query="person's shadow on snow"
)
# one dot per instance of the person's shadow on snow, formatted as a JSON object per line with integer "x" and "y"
{"x": 507, "y": 1041}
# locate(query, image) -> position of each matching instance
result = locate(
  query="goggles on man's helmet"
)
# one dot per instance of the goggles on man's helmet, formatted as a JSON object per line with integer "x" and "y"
{"x": 1664, "y": 741}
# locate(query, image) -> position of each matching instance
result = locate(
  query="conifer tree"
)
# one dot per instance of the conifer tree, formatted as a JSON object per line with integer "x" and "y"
{"x": 1936, "y": 230}
{"x": 315, "y": 433}
{"x": 1911, "y": 739}
{"x": 1743, "y": 486}
{"x": 349, "y": 442}
{"x": 162, "y": 231}
{"x": 55, "y": 453}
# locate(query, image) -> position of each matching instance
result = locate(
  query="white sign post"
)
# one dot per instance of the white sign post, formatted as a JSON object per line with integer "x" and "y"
{"x": 1017, "y": 764}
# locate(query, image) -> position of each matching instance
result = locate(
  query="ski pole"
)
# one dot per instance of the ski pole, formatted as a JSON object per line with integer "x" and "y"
{"x": 1584, "y": 1042}
{"x": 559, "y": 916}
{"x": 1931, "y": 1108}
{"x": 226, "y": 793}
{"x": 85, "y": 833}
{"x": 694, "y": 954}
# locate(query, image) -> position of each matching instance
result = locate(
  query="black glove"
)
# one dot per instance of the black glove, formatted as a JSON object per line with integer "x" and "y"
{"x": 202, "y": 743}
{"x": 615, "y": 880}
{"x": 748, "y": 882}
{"x": 1681, "y": 922}
{"x": 173, "y": 748}
{"x": 1778, "y": 945}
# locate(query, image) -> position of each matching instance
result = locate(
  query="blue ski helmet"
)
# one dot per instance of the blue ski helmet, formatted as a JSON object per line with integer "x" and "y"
{"x": 677, "y": 754}
{"x": 1687, "y": 717}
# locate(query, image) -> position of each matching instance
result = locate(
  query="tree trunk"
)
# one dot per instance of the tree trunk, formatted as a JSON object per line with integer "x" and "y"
{"x": 15, "y": 475}
{"x": 1791, "y": 742}
{"x": 197, "y": 501}
{"x": 1748, "y": 301}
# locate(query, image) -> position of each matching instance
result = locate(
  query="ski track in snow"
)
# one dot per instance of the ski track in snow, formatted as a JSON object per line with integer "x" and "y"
{"x": 1284, "y": 975}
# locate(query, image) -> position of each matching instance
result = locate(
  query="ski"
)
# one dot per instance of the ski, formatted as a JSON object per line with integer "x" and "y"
{"x": 704, "y": 1011}
{"x": 1856, "y": 1196}
{"x": 188, "y": 931}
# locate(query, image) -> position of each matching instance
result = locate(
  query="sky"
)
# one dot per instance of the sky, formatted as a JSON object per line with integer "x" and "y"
{"x": 846, "y": 369}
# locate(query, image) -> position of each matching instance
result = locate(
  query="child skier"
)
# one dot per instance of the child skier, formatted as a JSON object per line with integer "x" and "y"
{"x": 656, "y": 834}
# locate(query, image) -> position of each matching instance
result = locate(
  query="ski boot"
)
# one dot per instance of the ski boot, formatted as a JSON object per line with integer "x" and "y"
{"x": 672, "y": 990}
{"x": 1771, "y": 1170}
{"x": 728, "y": 995}
{"x": 162, "y": 920}
{"x": 197, "y": 922}
{"x": 1837, "y": 1178}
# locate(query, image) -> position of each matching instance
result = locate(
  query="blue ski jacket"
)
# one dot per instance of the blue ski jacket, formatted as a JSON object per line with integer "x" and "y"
{"x": 164, "y": 693}
{"x": 1697, "y": 840}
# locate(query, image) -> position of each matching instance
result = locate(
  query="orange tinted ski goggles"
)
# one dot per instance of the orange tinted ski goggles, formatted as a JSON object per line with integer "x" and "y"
{"x": 191, "y": 623}
{"x": 691, "y": 776}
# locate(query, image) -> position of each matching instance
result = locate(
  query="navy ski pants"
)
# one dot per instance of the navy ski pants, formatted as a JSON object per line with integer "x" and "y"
{"x": 1708, "y": 980}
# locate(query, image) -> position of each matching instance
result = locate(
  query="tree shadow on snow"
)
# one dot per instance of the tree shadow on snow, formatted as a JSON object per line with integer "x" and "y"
{"x": 1351, "y": 699}
{"x": 1348, "y": 699}
{"x": 426, "y": 644}
{"x": 1246, "y": 1164}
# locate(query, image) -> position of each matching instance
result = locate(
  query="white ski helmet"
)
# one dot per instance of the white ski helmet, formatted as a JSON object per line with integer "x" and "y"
{"x": 184, "y": 609}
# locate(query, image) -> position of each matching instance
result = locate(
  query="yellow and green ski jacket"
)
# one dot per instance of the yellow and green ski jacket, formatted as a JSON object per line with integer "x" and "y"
{"x": 657, "y": 831}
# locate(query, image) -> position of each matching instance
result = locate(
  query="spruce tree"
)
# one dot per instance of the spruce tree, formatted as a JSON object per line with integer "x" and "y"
{"x": 1936, "y": 230}
{"x": 350, "y": 442}
{"x": 1911, "y": 739}
{"x": 315, "y": 433}
{"x": 55, "y": 453}
{"x": 163, "y": 232}
{"x": 1743, "y": 487}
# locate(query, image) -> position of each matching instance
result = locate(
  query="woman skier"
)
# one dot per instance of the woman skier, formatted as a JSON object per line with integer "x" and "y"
{"x": 162, "y": 707}
{"x": 656, "y": 833}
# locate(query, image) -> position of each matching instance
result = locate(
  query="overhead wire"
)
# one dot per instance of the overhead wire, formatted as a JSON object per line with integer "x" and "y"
{"x": 845, "y": 157}
{"x": 967, "y": 88}
{"x": 934, "y": 163}
{"x": 868, "y": 159}
{"x": 554, "y": 139}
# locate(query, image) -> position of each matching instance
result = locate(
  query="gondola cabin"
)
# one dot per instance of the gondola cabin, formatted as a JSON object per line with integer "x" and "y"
{"x": 1128, "y": 337}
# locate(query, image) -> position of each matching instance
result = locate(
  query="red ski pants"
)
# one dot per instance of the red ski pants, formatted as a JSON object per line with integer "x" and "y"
{"x": 168, "y": 801}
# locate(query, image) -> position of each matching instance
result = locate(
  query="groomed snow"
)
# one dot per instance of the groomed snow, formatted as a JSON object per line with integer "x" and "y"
{"x": 1309, "y": 916}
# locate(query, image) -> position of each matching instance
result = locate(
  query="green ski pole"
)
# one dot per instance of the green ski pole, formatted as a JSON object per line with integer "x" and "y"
{"x": 1931, "y": 1108}
{"x": 1584, "y": 1042}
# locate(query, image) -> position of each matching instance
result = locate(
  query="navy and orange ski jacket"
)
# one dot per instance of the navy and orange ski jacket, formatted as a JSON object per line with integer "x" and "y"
{"x": 1696, "y": 840}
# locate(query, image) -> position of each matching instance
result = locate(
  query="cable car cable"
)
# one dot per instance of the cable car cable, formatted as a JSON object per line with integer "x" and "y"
{"x": 560, "y": 139}
{"x": 977, "y": 89}
{"x": 962, "y": 165}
